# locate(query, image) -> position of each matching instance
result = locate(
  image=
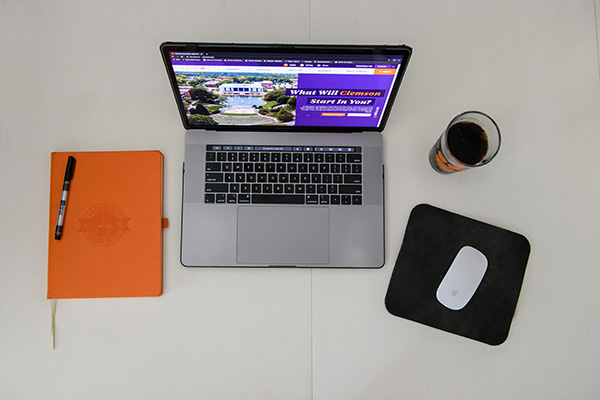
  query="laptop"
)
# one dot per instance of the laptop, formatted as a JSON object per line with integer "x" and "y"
{"x": 283, "y": 152}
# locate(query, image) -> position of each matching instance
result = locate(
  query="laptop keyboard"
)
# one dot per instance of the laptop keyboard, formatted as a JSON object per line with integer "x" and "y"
{"x": 283, "y": 175}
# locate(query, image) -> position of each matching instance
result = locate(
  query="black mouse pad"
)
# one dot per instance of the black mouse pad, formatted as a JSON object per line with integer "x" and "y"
{"x": 432, "y": 239}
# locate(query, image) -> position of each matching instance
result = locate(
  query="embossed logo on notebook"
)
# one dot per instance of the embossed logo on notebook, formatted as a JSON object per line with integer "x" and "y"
{"x": 104, "y": 224}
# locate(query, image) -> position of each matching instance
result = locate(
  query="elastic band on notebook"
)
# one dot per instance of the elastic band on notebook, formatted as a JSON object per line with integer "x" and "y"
{"x": 53, "y": 308}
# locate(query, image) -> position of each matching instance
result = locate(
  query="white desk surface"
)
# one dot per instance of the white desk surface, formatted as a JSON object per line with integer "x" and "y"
{"x": 78, "y": 76}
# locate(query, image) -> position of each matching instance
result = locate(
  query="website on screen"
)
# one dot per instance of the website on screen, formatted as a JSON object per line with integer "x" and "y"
{"x": 294, "y": 89}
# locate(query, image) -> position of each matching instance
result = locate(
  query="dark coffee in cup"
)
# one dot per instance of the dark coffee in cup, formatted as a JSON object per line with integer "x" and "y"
{"x": 471, "y": 139}
{"x": 467, "y": 142}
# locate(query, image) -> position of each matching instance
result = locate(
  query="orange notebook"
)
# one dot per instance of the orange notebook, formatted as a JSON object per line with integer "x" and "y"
{"x": 111, "y": 243}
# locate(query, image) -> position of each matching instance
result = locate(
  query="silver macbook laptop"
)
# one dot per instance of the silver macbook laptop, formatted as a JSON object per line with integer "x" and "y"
{"x": 283, "y": 152}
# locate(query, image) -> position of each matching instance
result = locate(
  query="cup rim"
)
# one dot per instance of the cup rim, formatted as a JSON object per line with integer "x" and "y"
{"x": 482, "y": 162}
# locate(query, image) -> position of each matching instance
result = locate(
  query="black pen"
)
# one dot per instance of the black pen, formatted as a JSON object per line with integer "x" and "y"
{"x": 63, "y": 199}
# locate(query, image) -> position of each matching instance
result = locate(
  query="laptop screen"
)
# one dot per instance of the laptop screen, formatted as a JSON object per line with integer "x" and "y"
{"x": 284, "y": 87}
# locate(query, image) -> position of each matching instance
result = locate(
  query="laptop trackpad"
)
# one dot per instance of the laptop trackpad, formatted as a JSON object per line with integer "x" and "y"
{"x": 283, "y": 235}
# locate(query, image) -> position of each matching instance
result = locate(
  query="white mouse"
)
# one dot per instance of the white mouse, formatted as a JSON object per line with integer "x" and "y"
{"x": 462, "y": 279}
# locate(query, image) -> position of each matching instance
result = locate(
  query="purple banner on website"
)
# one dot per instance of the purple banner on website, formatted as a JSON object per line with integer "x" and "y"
{"x": 336, "y": 92}
{"x": 339, "y": 101}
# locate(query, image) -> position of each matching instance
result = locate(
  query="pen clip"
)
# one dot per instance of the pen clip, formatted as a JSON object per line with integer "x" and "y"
{"x": 70, "y": 168}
